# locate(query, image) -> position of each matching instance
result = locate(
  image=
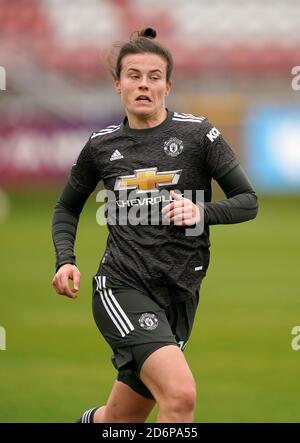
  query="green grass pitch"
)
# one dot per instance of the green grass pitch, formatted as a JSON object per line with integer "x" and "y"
{"x": 56, "y": 365}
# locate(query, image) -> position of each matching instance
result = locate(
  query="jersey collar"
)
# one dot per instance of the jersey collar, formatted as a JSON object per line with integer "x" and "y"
{"x": 133, "y": 131}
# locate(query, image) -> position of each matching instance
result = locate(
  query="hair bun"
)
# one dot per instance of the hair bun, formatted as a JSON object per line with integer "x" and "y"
{"x": 148, "y": 33}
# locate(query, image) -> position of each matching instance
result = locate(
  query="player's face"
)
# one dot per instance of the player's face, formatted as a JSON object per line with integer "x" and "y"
{"x": 143, "y": 86}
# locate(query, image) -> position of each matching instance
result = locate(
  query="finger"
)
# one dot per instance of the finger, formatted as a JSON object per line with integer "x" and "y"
{"x": 55, "y": 284}
{"x": 170, "y": 215}
{"x": 175, "y": 196}
{"x": 186, "y": 212}
{"x": 76, "y": 280}
{"x": 175, "y": 199}
{"x": 68, "y": 292}
{"x": 64, "y": 286}
{"x": 179, "y": 220}
{"x": 58, "y": 285}
{"x": 182, "y": 210}
{"x": 190, "y": 211}
{"x": 196, "y": 214}
{"x": 167, "y": 208}
{"x": 184, "y": 221}
{"x": 180, "y": 203}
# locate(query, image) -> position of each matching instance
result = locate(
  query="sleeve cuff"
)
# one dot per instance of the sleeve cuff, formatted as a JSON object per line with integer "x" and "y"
{"x": 70, "y": 261}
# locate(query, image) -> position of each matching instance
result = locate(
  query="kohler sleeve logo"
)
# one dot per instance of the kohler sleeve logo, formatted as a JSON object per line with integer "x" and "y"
{"x": 213, "y": 134}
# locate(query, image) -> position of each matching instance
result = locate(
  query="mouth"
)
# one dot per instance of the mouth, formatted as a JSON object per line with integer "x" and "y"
{"x": 143, "y": 99}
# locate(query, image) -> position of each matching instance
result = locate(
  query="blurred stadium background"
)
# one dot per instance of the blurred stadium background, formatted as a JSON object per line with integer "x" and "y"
{"x": 233, "y": 63}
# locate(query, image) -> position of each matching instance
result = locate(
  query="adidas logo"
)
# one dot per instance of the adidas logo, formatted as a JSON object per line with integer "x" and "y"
{"x": 116, "y": 155}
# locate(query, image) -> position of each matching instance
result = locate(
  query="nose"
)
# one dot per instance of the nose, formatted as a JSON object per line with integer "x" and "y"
{"x": 143, "y": 83}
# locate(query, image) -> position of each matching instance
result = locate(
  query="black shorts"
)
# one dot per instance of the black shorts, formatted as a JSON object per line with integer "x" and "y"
{"x": 134, "y": 326}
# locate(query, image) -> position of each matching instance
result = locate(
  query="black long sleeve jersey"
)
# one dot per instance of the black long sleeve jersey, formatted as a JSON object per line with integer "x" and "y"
{"x": 138, "y": 167}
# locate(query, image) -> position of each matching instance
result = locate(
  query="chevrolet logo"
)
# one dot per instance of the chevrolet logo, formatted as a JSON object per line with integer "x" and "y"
{"x": 147, "y": 180}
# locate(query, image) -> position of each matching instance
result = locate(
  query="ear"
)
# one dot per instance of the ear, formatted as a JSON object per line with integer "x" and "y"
{"x": 117, "y": 86}
{"x": 168, "y": 88}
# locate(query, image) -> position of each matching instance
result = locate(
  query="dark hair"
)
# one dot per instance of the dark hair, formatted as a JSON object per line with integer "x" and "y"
{"x": 141, "y": 42}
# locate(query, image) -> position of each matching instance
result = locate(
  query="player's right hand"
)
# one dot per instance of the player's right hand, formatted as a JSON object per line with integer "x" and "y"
{"x": 61, "y": 279}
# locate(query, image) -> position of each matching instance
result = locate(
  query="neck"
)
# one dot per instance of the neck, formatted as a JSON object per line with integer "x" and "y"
{"x": 147, "y": 121}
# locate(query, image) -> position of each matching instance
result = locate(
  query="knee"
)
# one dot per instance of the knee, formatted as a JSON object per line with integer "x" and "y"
{"x": 181, "y": 399}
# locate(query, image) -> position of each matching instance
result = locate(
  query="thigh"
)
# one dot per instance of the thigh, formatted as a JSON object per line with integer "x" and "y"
{"x": 126, "y": 406}
{"x": 166, "y": 373}
{"x": 130, "y": 372}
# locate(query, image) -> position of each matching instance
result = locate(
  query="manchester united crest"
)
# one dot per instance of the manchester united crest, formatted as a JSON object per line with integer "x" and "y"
{"x": 173, "y": 147}
{"x": 148, "y": 321}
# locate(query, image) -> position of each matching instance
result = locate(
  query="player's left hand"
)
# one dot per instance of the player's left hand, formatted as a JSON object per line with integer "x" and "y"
{"x": 181, "y": 211}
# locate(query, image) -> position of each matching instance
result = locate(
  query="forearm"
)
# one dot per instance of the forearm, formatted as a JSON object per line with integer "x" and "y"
{"x": 64, "y": 227}
{"x": 241, "y": 204}
{"x": 64, "y": 224}
{"x": 241, "y": 208}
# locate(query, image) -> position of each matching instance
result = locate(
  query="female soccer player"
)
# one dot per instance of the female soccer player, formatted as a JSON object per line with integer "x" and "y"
{"x": 146, "y": 290}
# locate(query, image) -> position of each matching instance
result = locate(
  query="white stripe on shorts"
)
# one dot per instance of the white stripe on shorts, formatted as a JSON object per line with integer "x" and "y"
{"x": 108, "y": 310}
{"x": 116, "y": 304}
{"x": 113, "y": 308}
